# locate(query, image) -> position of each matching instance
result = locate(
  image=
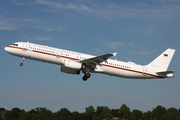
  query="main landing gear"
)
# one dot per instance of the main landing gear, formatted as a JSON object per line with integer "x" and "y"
{"x": 21, "y": 63}
{"x": 85, "y": 70}
{"x": 86, "y": 76}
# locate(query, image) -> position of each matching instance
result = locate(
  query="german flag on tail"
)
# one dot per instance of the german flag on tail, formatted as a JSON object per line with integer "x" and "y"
{"x": 165, "y": 55}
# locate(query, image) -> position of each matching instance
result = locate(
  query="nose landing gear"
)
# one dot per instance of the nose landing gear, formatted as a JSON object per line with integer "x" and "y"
{"x": 21, "y": 63}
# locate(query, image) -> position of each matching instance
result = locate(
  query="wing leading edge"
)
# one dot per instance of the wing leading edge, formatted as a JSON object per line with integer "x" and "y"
{"x": 98, "y": 59}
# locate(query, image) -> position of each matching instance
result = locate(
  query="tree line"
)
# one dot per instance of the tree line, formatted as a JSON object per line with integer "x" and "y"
{"x": 100, "y": 113}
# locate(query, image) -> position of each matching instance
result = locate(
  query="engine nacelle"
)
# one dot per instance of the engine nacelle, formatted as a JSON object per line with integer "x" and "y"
{"x": 72, "y": 64}
{"x": 69, "y": 70}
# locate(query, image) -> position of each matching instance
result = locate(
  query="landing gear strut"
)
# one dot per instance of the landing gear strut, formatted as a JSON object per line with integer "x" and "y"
{"x": 86, "y": 76}
{"x": 21, "y": 63}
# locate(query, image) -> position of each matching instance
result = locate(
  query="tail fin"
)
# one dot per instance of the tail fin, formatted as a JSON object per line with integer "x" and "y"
{"x": 162, "y": 62}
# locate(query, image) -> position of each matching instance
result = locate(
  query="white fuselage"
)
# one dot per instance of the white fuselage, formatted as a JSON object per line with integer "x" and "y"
{"x": 58, "y": 56}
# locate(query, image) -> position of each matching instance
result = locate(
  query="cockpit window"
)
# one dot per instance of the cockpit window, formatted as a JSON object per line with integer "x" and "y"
{"x": 15, "y": 44}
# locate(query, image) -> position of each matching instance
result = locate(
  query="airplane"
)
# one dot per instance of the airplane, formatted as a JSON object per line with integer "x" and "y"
{"x": 72, "y": 62}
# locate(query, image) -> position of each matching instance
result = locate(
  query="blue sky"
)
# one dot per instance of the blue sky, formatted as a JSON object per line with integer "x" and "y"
{"x": 138, "y": 30}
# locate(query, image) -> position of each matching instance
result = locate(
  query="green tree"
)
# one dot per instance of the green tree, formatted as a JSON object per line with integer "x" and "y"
{"x": 159, "y": 113}
{"x": 137, "y": 114}
{"x": 24, "y": 116}
{"x": 172, "y": 113}
{"x": 13, "y": 114}
{"x": 37, "y": 113}
{"x": 98, "y": 113}
{"x": 80, "y": 116}
{"x": 114, "y": 112}
{"x": 44, "y": 113}
{"x": 77, "y": 116}
{"x": 124, "y": 112}
{"x": 90, "y": 112}
{"x": 102, "y": 112}
{"x": 3, "y": 114}
{"x": 147, "y": 116}
{"x": 107, "y": 112}
{"x": 33, "y": 114}
{"x": 64, "y": 114}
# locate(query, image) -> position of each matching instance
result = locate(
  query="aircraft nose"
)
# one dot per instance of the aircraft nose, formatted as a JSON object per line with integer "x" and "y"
{"x": 7, "y": 49}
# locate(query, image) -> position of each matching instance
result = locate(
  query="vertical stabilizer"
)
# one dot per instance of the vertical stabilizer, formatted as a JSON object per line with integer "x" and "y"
{"x": 162, "y": 62}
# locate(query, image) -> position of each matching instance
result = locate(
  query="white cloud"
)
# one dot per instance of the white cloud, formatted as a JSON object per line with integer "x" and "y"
{"x": 140, "y": 52}
{"x": 131, "y": 44}
{"x": 28, "y": 23}
{"x": 50, "y": 27}
{"x": 42, "y": 38}
{"x": 85, "y": 8}
{"x": 59, "y": 5}
{"x": 57, "y": 28}
{"x": 114, "y": 11}
{"x": 7, "y": 25}
{"x": 142, "y": 10}
{"x": 50, "y": 10}
{"x": 16, "y": 3}
{"x": 116, "y": 44}
{"x": 16, "y": 23}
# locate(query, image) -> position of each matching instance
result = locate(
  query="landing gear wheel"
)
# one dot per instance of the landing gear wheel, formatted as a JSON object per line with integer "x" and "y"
{"x": 88, "y": 75}
{"x": 21, "y": 64}
{"x": 84, "y": 78}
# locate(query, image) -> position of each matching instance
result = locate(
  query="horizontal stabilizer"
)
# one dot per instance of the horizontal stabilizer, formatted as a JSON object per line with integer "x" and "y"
{"x": 166, "y": 74}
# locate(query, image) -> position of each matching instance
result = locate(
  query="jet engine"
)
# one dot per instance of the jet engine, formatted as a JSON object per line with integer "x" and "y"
{"x": 69, "y": 70}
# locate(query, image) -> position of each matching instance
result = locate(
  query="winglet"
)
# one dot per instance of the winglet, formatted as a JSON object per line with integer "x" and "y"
{"x": 114, "y": 54}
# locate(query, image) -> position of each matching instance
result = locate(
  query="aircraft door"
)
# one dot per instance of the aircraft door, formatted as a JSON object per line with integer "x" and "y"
{"x": 25, "y": 46}
{"x": 58, "y": 54}
{"x": 145, "y": 70}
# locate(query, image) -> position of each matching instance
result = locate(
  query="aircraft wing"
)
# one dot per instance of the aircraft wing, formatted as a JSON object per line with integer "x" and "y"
{"x": 98, "y": 59}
